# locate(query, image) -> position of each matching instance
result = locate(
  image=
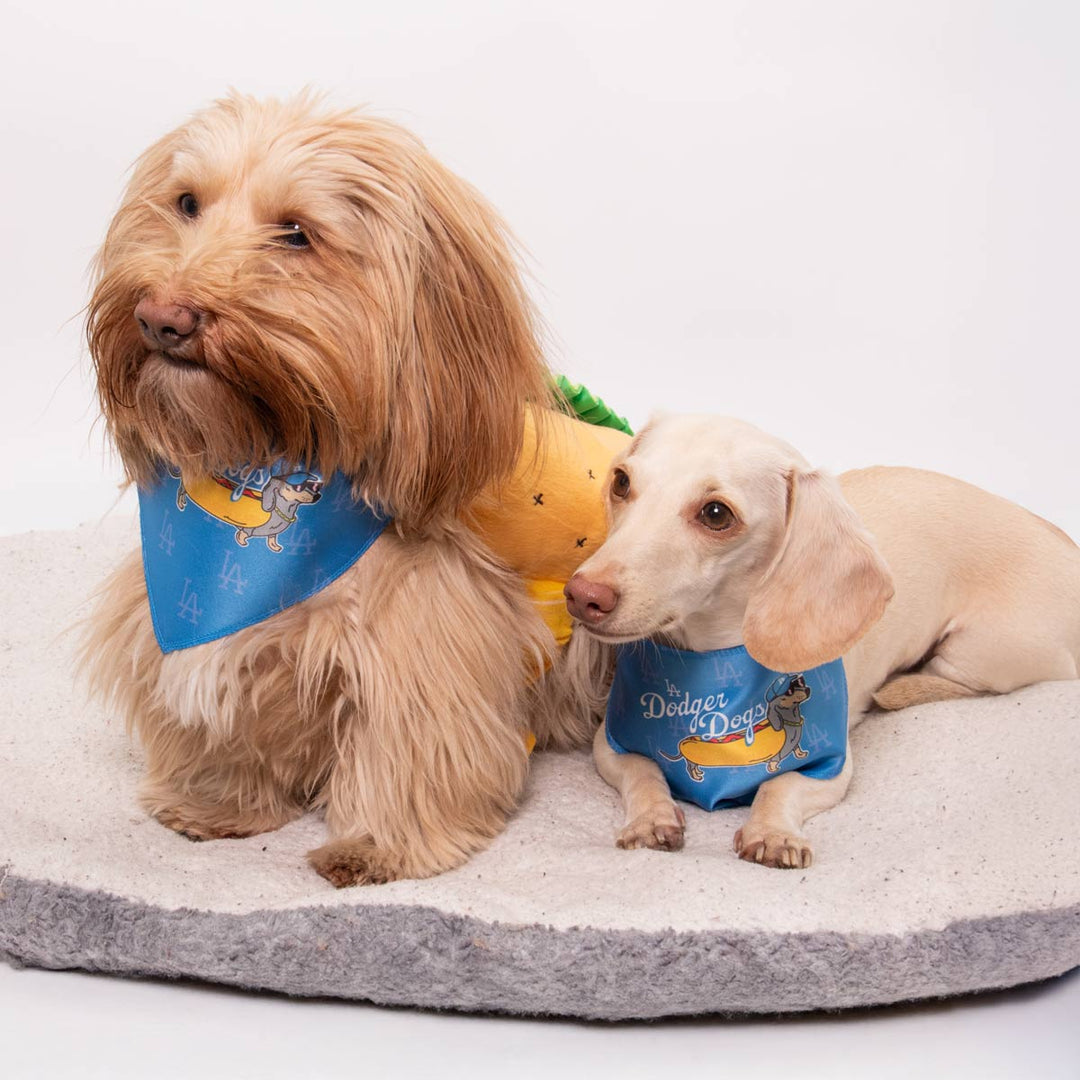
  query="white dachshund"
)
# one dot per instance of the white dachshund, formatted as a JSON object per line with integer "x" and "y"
{"x": 723, "y": 536}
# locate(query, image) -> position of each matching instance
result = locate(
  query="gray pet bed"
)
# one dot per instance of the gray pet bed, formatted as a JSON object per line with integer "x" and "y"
{"x": 951, "y": 867}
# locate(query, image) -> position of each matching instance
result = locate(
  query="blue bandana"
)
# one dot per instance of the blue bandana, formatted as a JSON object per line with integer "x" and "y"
{"x": 719, "y": 724}
{"x": 241, "y": 546}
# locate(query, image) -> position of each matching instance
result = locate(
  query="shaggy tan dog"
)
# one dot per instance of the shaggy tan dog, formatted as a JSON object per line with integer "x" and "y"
{"x": 285, "y": 282}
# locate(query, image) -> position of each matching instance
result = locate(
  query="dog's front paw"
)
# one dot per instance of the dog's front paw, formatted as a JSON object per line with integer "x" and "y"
{"x": 353, "y": 862}
{"x": 199, "y": 821}
{"x": 193, "y": 828}
{"x": 662, "y": 828}
{"x": 776, "y": 849}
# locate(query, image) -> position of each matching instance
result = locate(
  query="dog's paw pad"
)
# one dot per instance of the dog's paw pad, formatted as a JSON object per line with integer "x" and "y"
{"x": 351, "y": 862}
{"x": 778, "y": 850}
{"x": 661, "y": 830}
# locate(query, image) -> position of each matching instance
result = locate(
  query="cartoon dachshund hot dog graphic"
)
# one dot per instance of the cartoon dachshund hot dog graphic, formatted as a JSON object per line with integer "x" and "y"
{"x": 265, "y": 513}
{"x": 769, "y": 741}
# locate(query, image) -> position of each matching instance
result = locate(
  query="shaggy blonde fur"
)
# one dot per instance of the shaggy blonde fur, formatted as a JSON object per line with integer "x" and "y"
{"x": 400, "y": 348}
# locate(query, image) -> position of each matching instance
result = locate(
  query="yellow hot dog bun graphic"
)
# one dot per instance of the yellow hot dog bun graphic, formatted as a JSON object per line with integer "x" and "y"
{"x": 711, "y": 753}
{"x": 214, "y": 495}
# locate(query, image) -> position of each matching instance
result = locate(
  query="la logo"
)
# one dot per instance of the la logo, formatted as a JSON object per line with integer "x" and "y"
{"x": 230, "y": 575}
{"x": 165, "y": 537}
{"x": 303, "y": 544}
{"x": 188, "y": 608}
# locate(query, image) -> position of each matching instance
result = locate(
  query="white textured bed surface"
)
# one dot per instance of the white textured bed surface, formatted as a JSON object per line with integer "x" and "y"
{"x": 960, "y": 812}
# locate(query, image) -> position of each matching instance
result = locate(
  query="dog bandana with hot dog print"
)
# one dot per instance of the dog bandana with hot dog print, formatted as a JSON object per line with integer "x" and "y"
{"x": 241, "y": 546}
{"x": 238, "y": 547}
{"x": 719, "y": 724}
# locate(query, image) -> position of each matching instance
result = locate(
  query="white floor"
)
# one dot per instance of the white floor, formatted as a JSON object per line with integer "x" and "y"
{"x": 64, "y": 1024}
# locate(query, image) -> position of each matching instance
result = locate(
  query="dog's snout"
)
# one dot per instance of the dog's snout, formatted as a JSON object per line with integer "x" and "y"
{"x": 165, "y": 326}
{"x": 590, "y": 601}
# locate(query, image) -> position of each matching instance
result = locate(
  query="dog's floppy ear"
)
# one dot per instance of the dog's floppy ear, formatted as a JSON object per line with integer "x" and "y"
{"x": 826, "y": 586}
{"x": 269, "y": 494}
{"x": 473, "y": 358}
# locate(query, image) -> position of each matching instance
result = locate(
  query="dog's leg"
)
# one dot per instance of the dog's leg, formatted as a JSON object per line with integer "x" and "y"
{"x": 212, "y": 788}
{"x": 260, "y": 809}
{"x": 978, "y": 660}
{"x": 917, "y": 689}
{"x": 219, "y": 763}
{"x": 995, "y": 659}
{"x": 772, "y": 834}
{"x": 652, "y": 818}
{"x": 431, "y": 753}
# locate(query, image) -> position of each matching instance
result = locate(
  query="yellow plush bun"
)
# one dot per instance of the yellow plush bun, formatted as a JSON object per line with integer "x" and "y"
{"x": 548, "y": 518}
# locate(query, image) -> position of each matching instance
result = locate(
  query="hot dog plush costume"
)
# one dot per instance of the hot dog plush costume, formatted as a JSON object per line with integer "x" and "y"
{"x": 549, "y": 517}
{"x": 228, "y": 551}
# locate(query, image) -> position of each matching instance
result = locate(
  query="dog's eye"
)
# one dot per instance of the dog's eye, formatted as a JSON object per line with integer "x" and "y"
{"x": 620, "y": 484}
{"x": 188, "y": 205}
{"x": 716, "y": 516}
{"x": 294, "y": 236}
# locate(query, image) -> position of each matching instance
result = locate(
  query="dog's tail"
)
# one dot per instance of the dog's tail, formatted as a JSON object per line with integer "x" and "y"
{"x": 668, "y": 757}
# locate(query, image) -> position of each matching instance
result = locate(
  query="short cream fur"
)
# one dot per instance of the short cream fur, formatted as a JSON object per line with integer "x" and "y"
{"x": 928, "y": 587}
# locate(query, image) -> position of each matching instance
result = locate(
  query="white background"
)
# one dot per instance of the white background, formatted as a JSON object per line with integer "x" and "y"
{"x": 853, "y": 223}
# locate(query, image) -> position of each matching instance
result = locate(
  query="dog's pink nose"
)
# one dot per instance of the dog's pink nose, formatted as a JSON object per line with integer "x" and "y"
{"x": 589, "y": 601}
{"x": 165, "y": 325}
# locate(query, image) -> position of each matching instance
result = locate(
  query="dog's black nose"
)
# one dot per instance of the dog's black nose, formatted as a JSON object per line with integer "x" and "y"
{"x": 165, "y": 326}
